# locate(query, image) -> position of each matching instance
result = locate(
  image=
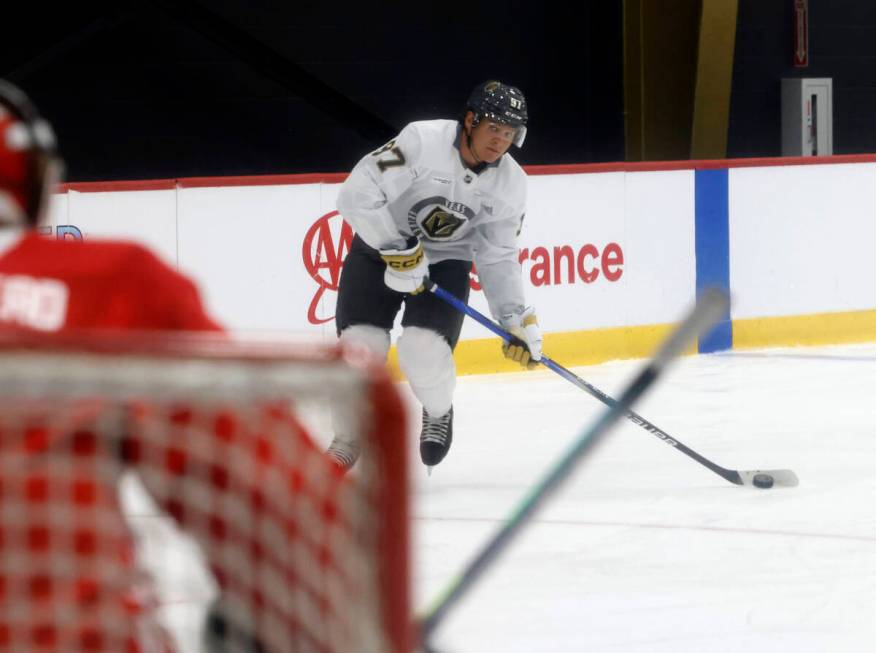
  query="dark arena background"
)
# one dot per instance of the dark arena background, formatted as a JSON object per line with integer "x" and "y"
{"x": 164, "y": 88}
{"x": 170, "y": 89}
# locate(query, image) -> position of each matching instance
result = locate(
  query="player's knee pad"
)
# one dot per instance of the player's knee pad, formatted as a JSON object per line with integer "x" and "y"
{"x": 424, "y": 356}
{"x": 427, "y": 360}
{"x": 367, "y": 335}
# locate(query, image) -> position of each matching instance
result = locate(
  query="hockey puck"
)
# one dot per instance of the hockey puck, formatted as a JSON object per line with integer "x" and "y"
{"x": 762, "y": 481}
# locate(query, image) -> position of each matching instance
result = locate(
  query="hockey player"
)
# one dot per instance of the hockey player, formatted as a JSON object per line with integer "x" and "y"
{"x": 84, "y": 590}
{"x": 441, "y": 195}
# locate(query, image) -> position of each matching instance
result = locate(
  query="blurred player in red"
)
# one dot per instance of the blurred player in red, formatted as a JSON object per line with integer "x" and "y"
{"x": 68, "y": 578}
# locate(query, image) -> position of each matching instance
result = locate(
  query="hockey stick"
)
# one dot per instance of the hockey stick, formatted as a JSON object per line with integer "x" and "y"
{"x": 708, "y": 310}
{"x": 781, "y": 477}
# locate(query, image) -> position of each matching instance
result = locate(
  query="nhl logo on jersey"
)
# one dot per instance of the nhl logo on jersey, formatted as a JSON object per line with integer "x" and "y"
{"x": 467, "y": 179}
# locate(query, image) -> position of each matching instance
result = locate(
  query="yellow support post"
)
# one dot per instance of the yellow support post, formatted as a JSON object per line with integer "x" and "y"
{"x": 714, "y": 79}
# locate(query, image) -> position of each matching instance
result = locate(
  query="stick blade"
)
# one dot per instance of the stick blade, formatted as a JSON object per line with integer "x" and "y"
{"x": 781, "y": 477}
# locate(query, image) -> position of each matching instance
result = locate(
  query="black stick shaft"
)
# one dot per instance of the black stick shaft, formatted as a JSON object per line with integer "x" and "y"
{"x": 728, "y": 474}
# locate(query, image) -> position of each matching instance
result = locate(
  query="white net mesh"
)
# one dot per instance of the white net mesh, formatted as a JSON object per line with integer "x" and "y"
{"x": 300, "y": 558}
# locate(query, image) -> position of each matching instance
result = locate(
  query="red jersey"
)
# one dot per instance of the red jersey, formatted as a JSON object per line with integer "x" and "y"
{"x": 48, "y": 285}
{"x": 57, "y": 285}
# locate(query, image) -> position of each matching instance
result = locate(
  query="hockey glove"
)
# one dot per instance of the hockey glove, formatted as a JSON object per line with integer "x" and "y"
{"x": 525, "y": 326}
{"x": 405, "y": 268}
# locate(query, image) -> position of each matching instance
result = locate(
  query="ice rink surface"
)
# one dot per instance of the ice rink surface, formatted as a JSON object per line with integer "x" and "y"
{"x": 645, "y": 550}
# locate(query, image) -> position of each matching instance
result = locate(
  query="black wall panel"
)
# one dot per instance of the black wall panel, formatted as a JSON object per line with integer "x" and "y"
{"x": 142, "y": 90}
{"x": 842, "y": 45}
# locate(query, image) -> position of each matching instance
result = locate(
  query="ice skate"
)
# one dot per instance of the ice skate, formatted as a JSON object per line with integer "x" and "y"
{"x": 435, "y": 438}
{"x": 343, "y": 453}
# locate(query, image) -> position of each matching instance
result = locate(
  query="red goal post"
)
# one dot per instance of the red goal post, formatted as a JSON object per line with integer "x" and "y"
{"x": 221, "y": 436}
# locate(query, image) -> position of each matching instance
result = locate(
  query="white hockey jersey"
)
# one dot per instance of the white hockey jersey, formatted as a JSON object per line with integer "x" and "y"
{"x": 418, "y": 185}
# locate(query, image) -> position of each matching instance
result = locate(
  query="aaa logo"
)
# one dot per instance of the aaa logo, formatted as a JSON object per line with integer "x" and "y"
{"x": 326, "y": 244}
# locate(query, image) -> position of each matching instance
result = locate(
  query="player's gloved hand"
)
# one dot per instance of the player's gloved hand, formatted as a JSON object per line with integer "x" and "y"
{"x": 525, "y": 326}
{"x": 405, "y": 268}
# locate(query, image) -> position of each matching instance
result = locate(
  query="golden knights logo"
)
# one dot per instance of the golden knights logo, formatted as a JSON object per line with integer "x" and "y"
{"x": 442, "y": 220}
{"x": 440, "y": 224}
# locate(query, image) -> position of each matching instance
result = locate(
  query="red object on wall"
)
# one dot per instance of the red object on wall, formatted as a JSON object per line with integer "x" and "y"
{"x": 801, "y": 33}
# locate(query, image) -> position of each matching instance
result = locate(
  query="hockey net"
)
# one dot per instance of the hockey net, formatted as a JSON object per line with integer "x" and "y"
{"x": 225, "y": 442}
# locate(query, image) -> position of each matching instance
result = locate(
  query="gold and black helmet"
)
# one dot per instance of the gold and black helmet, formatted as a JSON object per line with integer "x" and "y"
{"x": 501, "y": 103}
